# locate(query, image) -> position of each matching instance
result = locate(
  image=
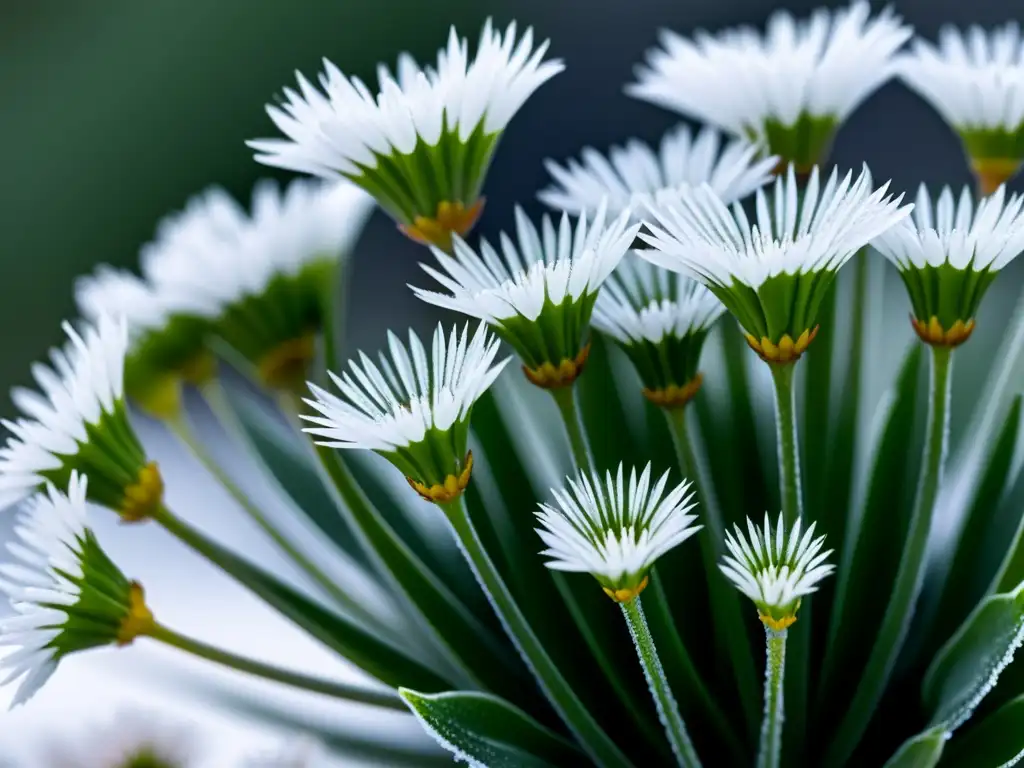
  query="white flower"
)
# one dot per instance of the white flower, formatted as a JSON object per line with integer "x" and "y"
{"x": 131, "y": 738}
{"x": 641, "y": 302}
{"x": 775, "y": 570}
{"x": 614, "y": 530}
{"x": 392, "y": 406}
{"x": 346, "y": 129}
{"x": 117, "y": 292}
{"x": 213, "y": 254}
{"x": 742, "y": 81}
{"x": 67, "y": 595}
{"x": 80, "y": 404}
{"x": 302, "y": 752}
{"x": 974, "y": 79}
{"x": 636, "y": 172}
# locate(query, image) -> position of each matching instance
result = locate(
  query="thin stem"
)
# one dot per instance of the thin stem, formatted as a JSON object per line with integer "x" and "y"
{"x": 590, "y": 735}
{"x": 910, "y": 575}
{"x": 337, "y": 690}
{"x": 668, "y": 710}
{"x": 789, "y": 456}
{"x": 565, "y": 398}
{"x": 770, "y": 752}
{"x": 725, "y": 602}
{"x": 180, "y": 428}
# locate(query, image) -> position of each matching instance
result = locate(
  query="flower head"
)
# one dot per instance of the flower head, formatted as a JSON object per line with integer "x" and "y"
{"x": 788, "y": 88}
{"x": 412, "y": 410}
{"x": 772, "y": 273}
{"x": 131, "y": 739}
{"x": 660, "y": 320}
{"x": 975, "y": 80}
{"x": 948, "y": 255}
{"x": 79, "y": 422}
{"x": 423, "y": 144}
{"x": 260, "y": 278}
{"x": 775, "y": 570}
{"x": 67, "y": 594}
{"x": 615, "y": 530}
{"x": 635, "y": 173}
{"x": 538, "y": 294}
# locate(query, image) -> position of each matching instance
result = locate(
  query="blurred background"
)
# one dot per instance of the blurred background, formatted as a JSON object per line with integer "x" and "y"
{"x": 115, "y": 113}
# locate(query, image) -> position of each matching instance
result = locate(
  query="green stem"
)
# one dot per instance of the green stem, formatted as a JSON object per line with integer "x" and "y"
{"x": 180, "y": 428}
{"x": 725, "y": 603}
{"x": 770, "y": 752}
{"x": 590, "y": 735}
{"x": 910, "y": 575}
{"x": 789, "y": 456}
{"x": 565, "y": 398}
{"x": 668, "y": 710}
{"x": 336, "y": 690}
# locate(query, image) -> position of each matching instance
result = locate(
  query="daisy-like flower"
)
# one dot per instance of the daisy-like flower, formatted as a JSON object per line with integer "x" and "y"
{"x": 615, "y": 530}
{"x": 262, "y": 279}
{"x": 975, "y": 80}
{"x": 165, "y": 348}
{"x": 660, "y": 320}
{"x": 789, "y": 88}
{"x": 79, "y": 422}
{"x": 538, "y": 295}
{"x": 423, "y": 144}
{"x": 635, "y": 173}
{"x": 412, "y": 410}
{"x": 67, "y": 594}
{"x": 772, "y": 273}
{"x": 775, "y": 569}
{"x": 948, "y": 255}
{"x": 132, "y": 739}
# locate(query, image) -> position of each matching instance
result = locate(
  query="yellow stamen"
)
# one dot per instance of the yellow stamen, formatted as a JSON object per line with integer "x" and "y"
{"x": 933, "y": 333}
{"x": 451, "y": 218}
{"x": 674, "y": 396}
{"x": 777, "y": 624}
{"x": 992, "y": 172}
{"x": 162, "y": 399}
{"x": 142, "y": 498}
{"x": 450, "y": 489}
{"x": 285, "y": 367}
{"x": 625, "y": 595}
{"x": 786, "y": 350}
{"x": 139, "y": 619}
{"x": 548, "y": 376}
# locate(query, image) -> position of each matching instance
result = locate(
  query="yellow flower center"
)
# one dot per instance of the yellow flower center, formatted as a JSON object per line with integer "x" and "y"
{"x": 286, "y": 366}
{"x": 933, "y": 333}
{"x": 777, "y": 624}
{"x": 786, "y": 350}
{"x": 551, "y": 376}
{"x": 674, "y": 396}
{"x": 625, "y": 595}
{"x": 451, "y": 218}
{"x": 144, "y": 496}
{"x": 450, "y": 489}
{"x": 139, "y": 619}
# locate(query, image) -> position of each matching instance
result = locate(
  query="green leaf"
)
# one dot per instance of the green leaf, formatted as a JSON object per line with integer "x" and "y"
{"x": 868, "y": 566}
{"x": 996, "y": 740}
{"x": 969, "y": 665}
{"x": 486, "y": 731}
{"x": 378, "y": 658}
{"x": 922, "y": 751}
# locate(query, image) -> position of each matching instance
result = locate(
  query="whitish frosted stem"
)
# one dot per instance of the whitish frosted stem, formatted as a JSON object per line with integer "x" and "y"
{"x": 668, "y": 710}
{"x": 789, "y": 454}
{"x": 565, "y": 397}
{"x": 770, "y": 752}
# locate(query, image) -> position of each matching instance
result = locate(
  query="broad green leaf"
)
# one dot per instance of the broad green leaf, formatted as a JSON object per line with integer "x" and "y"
{"x": 378, "y": 658}
{"x": 969, "y": 665}
{"x": 996, "y": 740}
{"x": 922, "y": 751}
{"x": 868, "y": 566}
{"x": 484, "y": 730}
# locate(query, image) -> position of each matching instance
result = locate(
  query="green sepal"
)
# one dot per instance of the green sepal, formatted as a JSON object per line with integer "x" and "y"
{"x": 782, "y": 305}
{"x": 161, "y": 358}
{"x": 111, "y": 457}
{"x": 945, "y": 292}
{"x": 415, "y": 184}
{"x": 104, "y": 600}
{"x": 441, "y": 452}
{"x": 993, "y": 143}
{"x": 804, "y": 143}
{"x": 673, "y": 360}
{"x": 558, "y": 333}
{"x": 484, "y": 730}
